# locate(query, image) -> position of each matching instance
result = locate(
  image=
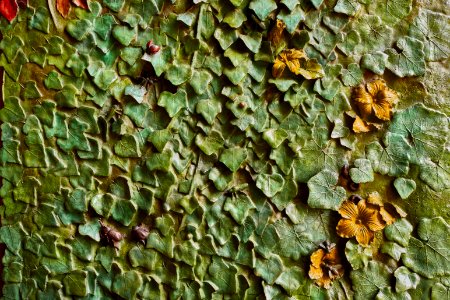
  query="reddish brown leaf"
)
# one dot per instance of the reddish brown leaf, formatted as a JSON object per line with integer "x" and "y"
{"x": 63, "y": 7}
{"x": 81, "y": 3}
{"x": 8, "y": 9}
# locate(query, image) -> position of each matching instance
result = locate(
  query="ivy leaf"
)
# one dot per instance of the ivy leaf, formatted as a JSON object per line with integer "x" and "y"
{"x": 173, "y": 103}
{"x": 440, "y": 291}
{"x": 352, "y": 76}
{"x": 410, "y": 61}
{"x": 128, "y": 146}
{"x": 405, "y": 187}
{"x": 11, "y": 237}
{"x": 262, "y": 8}
{"x": 12, "y": 110}
{"x": 127, "y": 284}
{"x": 90, "y": 229}
{"x": 233, "y": 158}
{"x": 392, "y": 160}
{"x": 368, "y": 281}
{"x": 275, "y": 137}
{"x": 209, "y": 109}
{"x": 357, "y": 255}
{"x": 75, "y": 283}
{"x": 399, "y": 231}
{"x": 211, "y": 143}
{"x": 369, "y": 27}
{"x": 310, "y": 69}
{"x": 269, "y": 269}
{"x": 160, "y": 60}
{"x": 200, "y": 81}
{"x": 387, "y": 294}
{"x": 405, "y": 279}
{"x": 391, "y": 11}
{"x": 238, "y": 206}
{"x": 432, "y": 29}
{"x": 178, "y": 73}
{"x": 430, "y": 254}
{"x": 362, "y": 172}
{"x": 270, "y": 185}
{"x": 425, "y": 129}
{"x": 375, "y": 62}
{"x": 323, "y": 192}
{"x": 348, "y": 7}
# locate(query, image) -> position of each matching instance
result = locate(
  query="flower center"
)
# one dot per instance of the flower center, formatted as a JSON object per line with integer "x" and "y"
{"x": 358, "y": 221}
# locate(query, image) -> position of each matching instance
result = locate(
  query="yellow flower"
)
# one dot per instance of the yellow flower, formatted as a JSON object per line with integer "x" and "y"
{"x": 291, "y": 59}
{"x": 325, "y": 267}
{"x": 360, "y": 221}
{"x": 388, "y": 212}
{"x": 375, "y": 99}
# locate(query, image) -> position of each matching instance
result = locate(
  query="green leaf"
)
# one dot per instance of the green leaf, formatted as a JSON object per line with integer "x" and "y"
{"x": 311, "y": 69}
{"x": 235, "y": 18}
{"x": 425, "y": 129}
{"x": 252, "y": 41}
{"x": 124, "y": 34}
{"x": 127, "y": 285}
{"x": 262, "y": 8}
{"x": 233, "y": 158}
{"x": 391, "y": 11}
{"x": 225, "y": 37}
{"x": 238, "y": 206}
{"x": 75, "y": 283}
{"x": 269, "y": 269}
{"x": 323, "y": 192}
{"x": 392, "y": 160}
{"x": 123, "y": 211}
{"x": 439, "y": 291}
{"x": 91, "y": 229}
{"x": 387, "y": 294}
{"x": 357, "y": 255}
{"x": 399, "y": 231}
{"x": 368, "y": 281}
{"x": 10, "y": 236}
{"x": 362, "y": 172}
{"x": 200, "y": 81}
{"x": 275, "y": 137}
{"x": 160, "y": 161}
{"x": 430, "y": 254}
{"x": 12, "y": 110}
{"x": 270, "y": 185}
{"x": 352, "y": 76}
{"x": 410, "y": 61}
{"x": 136, "y": 91}
{"x": 432, "y": 29}
{"x": 405, "y": 187}
{"x": 405, "y": 279}
{"x": 369, "y": 26}
{"x": 79, "y": 29}
{"x": 375, "y": 62}
{"x": 210, "y": 144}
{"x": 292, "y": 19}
{"x": 173, "y": 103}
{"x": 348, "y": 7}
{"x": 128, "y": 146}
{"x": 394, "y": 250}
{"x": 178, "y": 73}
{"x": 160, "y": 60}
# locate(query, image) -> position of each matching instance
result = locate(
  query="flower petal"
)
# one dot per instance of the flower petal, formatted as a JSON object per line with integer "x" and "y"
{"x": 348, "y": 210}
{"x": 360, "y": 95}
{"x": 374, "y": 222}
{"x": 278, "y": 68}
{"x": 364, "y": 236}
{"x": 315, "y": 273}
{"x": 376, "y": 86}
{"x": 346, "y": 228}
{"x": 317, "y": 257}
{"x": 382, "y": 110}
{"x": 360, "y": 126}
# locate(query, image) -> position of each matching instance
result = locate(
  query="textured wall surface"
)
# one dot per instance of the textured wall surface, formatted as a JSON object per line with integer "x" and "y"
{"x": 225, "y": 149}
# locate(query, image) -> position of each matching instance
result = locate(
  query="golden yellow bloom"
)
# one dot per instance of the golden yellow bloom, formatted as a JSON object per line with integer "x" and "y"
{"x": 358, "y": 221}
{"x": 375, "y": 99}
{"x": 291, "y": 59}
{"x": 388, "y": 212}
{"x": 276, "y": 33}
{"x": 325, "y": 267}
{"x": 359, "y": 125}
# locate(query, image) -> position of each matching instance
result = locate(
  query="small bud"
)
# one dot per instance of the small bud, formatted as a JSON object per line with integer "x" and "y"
{"x": 355, "y": 198}
{"x": 140, "y": 233}
{"x": 345, "y": 171}
{"x": 109, "y": 235}
{"x": 242, "y": 104}
{"x": 152, "y": 48}
{"x": 353, "y": 186}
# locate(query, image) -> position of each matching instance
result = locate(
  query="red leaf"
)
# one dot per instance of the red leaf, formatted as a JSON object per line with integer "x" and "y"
{"x": 63, "y": 6}
{"x": 8, "y": 9}
{"x": 81, "y": 3}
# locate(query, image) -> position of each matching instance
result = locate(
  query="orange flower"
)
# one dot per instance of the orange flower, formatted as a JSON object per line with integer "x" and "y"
{"x": 375, "y": 99}
{"x": 325, "y": 266}
{"x": 291, "y": 59}
{"x": 360, "y": 221}
{"x": 388, "y": 212}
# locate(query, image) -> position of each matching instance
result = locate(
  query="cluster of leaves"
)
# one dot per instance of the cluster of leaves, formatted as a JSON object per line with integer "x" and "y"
{"x": 233, "y": 171}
